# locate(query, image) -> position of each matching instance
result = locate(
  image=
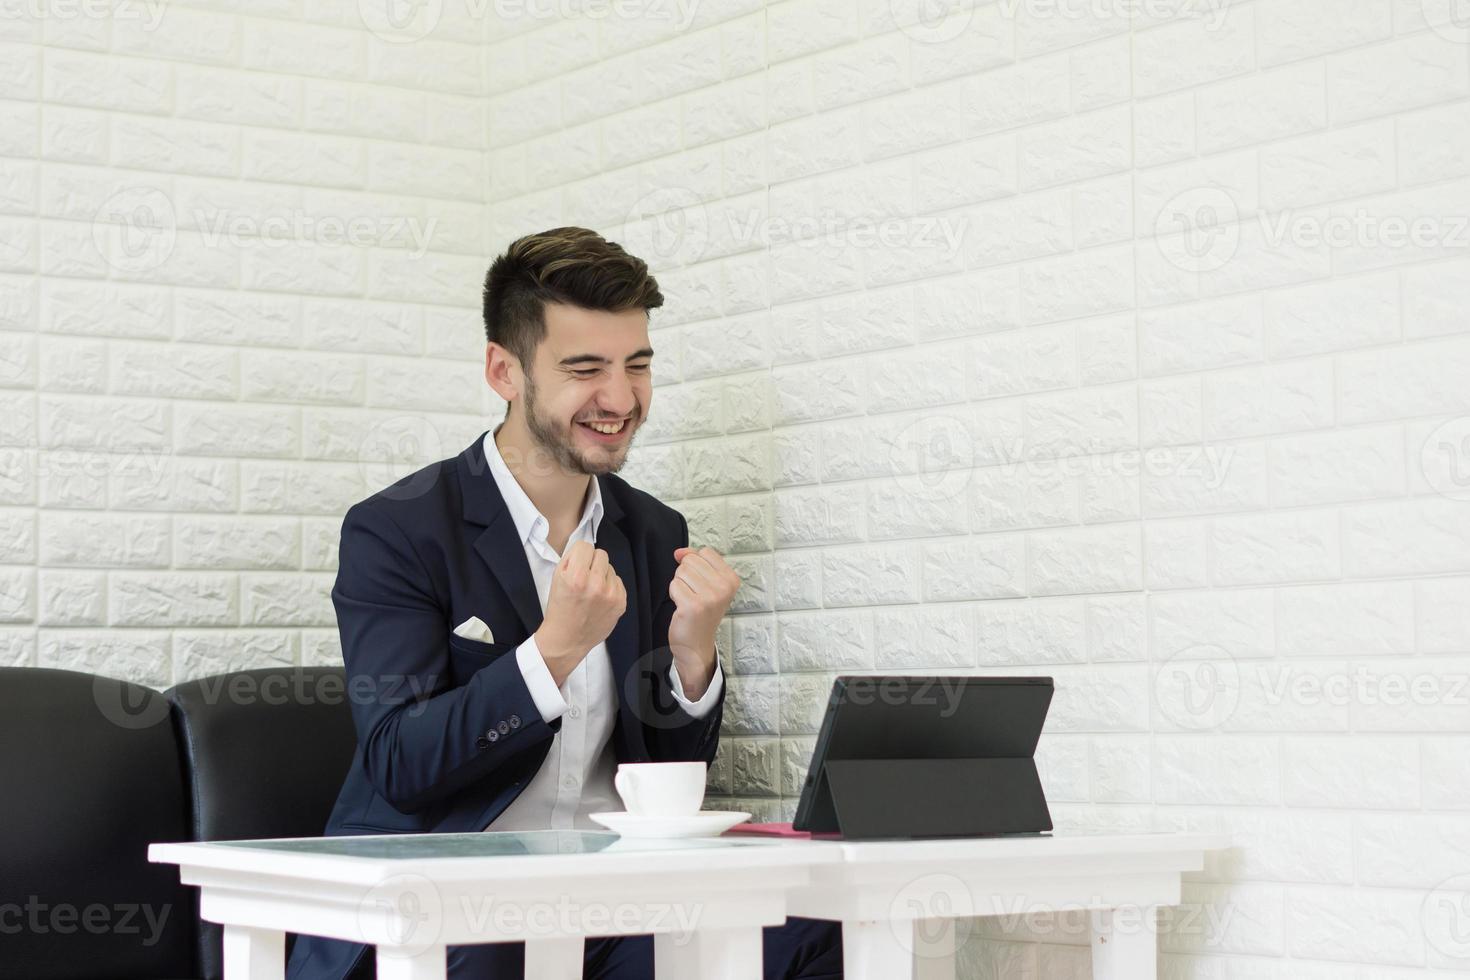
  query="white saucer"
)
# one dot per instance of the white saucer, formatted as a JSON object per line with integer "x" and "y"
{"x": 705, "y": 823}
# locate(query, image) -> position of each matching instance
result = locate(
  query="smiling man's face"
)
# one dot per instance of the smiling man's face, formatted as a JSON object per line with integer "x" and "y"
{"x": 593, "y": 366}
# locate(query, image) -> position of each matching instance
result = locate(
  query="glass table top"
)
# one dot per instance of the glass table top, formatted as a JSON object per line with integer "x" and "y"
{"x": 481, "y": 845}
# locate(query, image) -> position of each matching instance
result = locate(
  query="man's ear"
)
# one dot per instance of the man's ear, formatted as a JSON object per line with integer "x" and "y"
{"x": 502, "y": 371}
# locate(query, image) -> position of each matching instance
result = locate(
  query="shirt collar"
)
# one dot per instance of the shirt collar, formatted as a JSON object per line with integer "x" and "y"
{"x": 531, "y": 524}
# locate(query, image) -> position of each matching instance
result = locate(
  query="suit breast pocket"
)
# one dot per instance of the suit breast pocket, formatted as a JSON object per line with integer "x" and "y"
{"x": 468, "y": 656}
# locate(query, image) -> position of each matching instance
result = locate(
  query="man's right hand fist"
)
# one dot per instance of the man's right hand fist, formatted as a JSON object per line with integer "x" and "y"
{"x": 587, "y": 600}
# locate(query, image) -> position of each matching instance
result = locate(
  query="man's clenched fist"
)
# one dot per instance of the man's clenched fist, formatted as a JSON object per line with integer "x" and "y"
{"x": 702, "y": 589}
{"x": 587, "y": 599}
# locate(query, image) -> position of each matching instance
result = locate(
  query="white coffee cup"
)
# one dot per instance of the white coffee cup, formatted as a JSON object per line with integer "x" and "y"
{"x": 661, "y": 789}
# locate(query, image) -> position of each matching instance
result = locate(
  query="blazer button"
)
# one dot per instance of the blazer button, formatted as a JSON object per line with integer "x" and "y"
{"x": 503, "y": 728}
{"x": 515, "y": 721}
{"x": 492, "y": 735}
{"x": 482, "y": 742}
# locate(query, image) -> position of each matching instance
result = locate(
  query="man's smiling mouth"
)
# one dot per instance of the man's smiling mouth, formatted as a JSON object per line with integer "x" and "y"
{"x": 606, "y": 428}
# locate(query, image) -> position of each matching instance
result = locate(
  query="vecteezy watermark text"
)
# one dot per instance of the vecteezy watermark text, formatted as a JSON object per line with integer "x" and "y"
{"x": 1365, "y": 229}
{"x": 1363, "y": 685}
{"x": 278, "y": 231}
{"x": 846, "y": 231}
{"x": 97, "y": 918}
{"x": 929, "y": 691}
{"x": 407, "y": 21}
{"x": 148, "y": 12}
{"x": 1212, "y": 12}
{"x": 137, "y": 229}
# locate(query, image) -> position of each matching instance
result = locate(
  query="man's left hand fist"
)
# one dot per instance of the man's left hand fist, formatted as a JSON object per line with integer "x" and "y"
{"x": 702, "y": 589}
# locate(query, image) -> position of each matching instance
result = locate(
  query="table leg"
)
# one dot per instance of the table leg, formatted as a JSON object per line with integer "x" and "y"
{"x": 874, "y": 949}
{"x": 399, "y": 964}
{"x": 254, "y": 954}
{"x": 555, "y": 959}
{"x": 934, "y": 949}
{"x": 708, "y": 954}
{"x": 1124, "y": 947}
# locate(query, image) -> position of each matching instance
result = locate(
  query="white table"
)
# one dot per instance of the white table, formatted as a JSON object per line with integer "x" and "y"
{"x": 898, "y": 901}
{"x": 704, "y": 901}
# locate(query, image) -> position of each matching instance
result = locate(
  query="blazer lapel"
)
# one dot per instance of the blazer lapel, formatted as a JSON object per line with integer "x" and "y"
{"x": 499, "y": 543}
{"x": 623, "y": 641}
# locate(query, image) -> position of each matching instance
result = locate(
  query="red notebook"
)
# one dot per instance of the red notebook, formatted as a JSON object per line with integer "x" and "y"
{"x": 777, "y": 830}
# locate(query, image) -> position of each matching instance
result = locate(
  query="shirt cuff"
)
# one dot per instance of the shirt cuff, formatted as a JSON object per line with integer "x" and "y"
{"x": 539, "y": 681}
{"x": 706, "y": 702}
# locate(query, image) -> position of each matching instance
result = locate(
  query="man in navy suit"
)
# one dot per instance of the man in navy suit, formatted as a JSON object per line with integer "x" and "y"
{"x": 517, "y": 620}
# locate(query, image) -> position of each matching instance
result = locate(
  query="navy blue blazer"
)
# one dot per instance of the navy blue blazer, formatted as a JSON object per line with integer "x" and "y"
{"x": 447, "y": 732}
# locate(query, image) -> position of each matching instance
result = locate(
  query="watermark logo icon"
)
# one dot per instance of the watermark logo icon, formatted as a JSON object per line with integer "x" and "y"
{"x": 648, "y": 689}
{"x": 1198, "y": 230}
{"x": 395, "y": 453}
{"x": 932, "y": 21}
{"x": 1198, "y": 688}
{"x": 1445, "y": 916}
{"x": 135, "y": 230}
{"x": 924, "y": 910}
{"x": 128, "y": 706}
{"x": 670, "y": 225}
{"x": 1450, "y": 19}
{"x": 933, "y": 457}
{"x": 400, "y": 21}
{"x": 401, "y": 915}
{"x": 1445, "y": 459}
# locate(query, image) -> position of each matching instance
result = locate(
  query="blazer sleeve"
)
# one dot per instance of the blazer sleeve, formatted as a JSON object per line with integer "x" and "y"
{"x": 675, "y": 735}
{"x": 422, "y": 739}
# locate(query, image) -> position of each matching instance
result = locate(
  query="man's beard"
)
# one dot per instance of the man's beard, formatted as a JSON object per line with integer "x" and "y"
{"x": 549, "y": 439}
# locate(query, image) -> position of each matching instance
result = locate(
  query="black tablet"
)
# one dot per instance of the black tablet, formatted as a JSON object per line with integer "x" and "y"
{"x": 915, "y": 756}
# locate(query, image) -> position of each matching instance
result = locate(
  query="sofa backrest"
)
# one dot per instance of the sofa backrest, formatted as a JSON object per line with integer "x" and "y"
{"x": 266, "y": 752}
{"x": 92, "y": 775}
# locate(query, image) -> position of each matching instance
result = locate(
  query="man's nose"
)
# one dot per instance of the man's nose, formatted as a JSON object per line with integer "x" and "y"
{"x": 617, "y": 397}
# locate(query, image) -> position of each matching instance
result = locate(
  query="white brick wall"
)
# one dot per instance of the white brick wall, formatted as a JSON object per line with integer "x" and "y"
{"x": 1124, "y": 341}
{"x": 1134, "y": 389}
{"x": 240, "y": 255}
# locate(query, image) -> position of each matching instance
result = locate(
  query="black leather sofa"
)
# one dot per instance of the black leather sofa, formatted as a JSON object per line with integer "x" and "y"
{"x": 96, "y": 769}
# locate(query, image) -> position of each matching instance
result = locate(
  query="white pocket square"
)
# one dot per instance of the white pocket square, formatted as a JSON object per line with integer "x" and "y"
{"x": 475, "y": 629}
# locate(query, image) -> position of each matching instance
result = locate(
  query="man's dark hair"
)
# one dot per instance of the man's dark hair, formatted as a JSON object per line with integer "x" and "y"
{"x": 563, "y": 265}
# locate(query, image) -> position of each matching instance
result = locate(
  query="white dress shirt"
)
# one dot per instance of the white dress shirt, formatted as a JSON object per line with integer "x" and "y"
{"x": 576, "y": 777}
